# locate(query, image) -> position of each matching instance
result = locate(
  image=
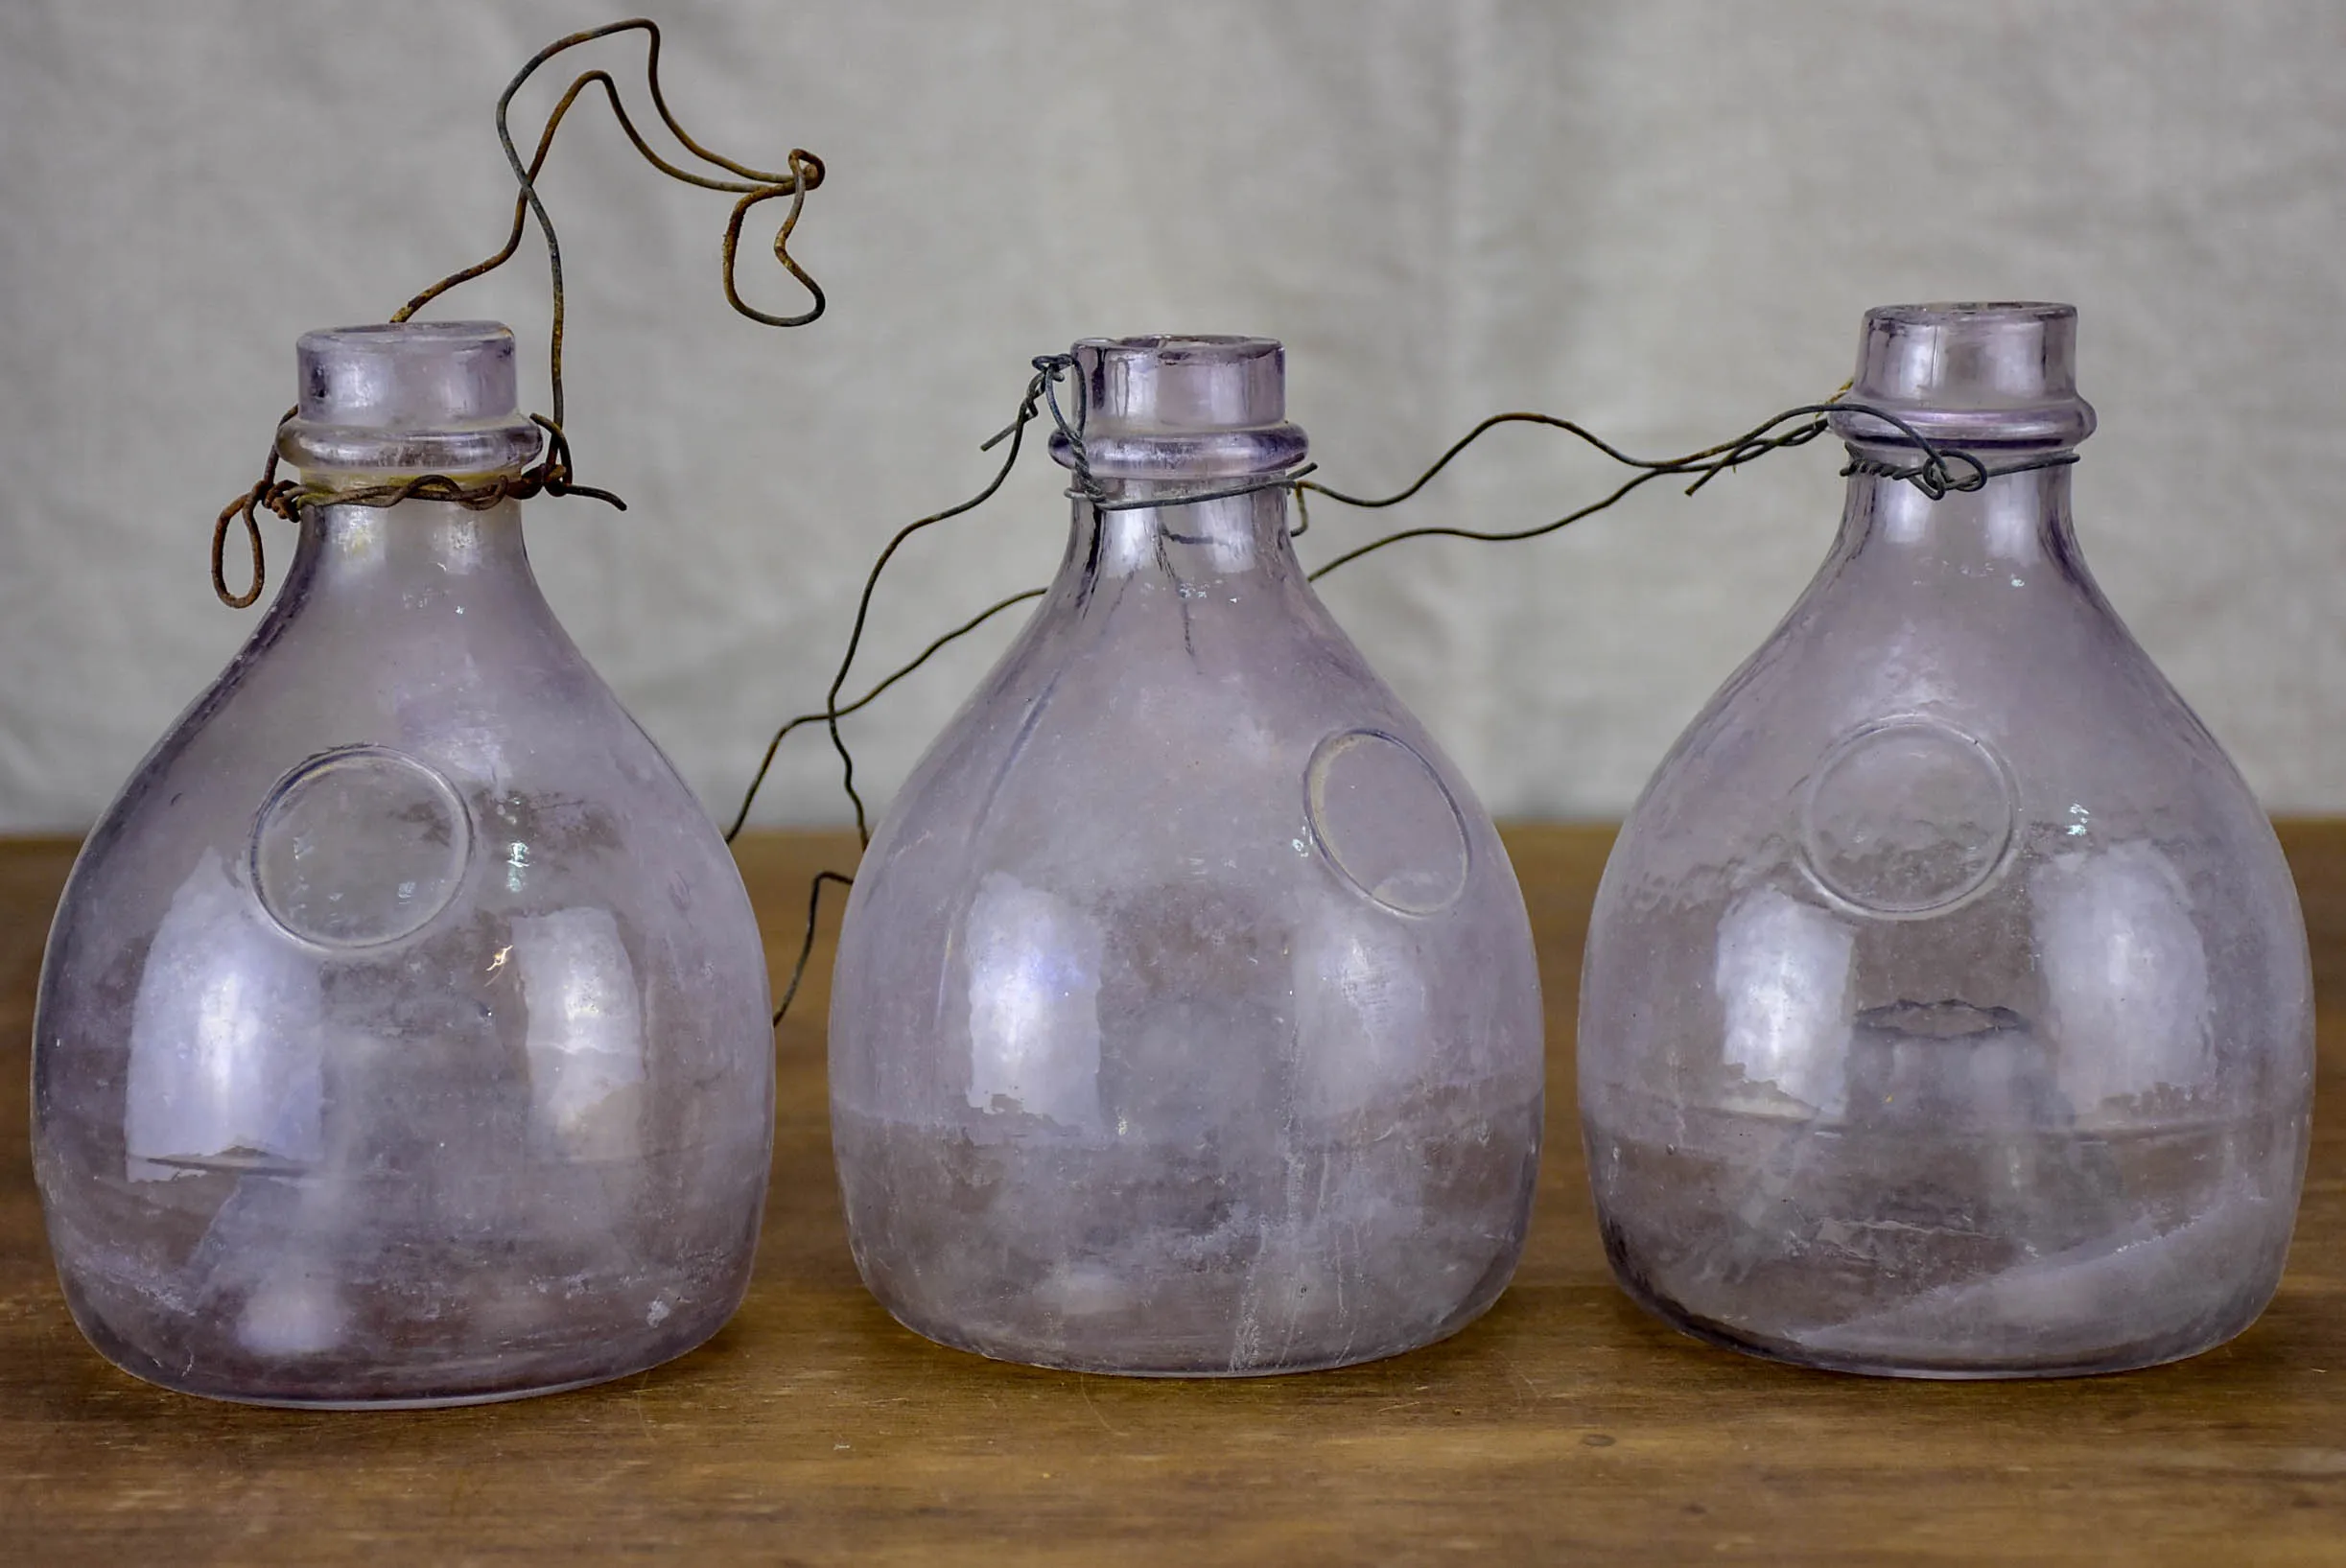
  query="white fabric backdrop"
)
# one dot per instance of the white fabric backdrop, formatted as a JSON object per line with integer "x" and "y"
{"x": 1662, "y": 216}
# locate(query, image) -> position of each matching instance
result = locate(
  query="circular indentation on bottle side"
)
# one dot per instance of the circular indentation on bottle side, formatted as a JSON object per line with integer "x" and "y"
{"x": 360, "y": 846}
{"x": 1906, "y": 817}
{"x": 1384, "y": 819}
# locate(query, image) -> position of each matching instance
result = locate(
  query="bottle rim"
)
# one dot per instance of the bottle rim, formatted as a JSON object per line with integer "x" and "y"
{"x": 1181, "y": 406}
{"x": 409, "y": 397}
{"x": 1989, "y": 373}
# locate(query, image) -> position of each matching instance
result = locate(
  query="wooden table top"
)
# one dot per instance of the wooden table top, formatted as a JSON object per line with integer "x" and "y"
{"x": 1564, "y": 1424}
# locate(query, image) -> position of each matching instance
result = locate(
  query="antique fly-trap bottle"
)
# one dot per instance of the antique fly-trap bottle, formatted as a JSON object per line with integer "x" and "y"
{"x": 1185, "y": 1020}
{"x": 1946, "y": 1005}
{"x": 403, "y": 1033}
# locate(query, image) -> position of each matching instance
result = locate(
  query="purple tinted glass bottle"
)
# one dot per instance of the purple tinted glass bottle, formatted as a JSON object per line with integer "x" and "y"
{"x": 402, "y": 1037}
{"x": 1185, "y": 1020}
{"x": 1946, "y": 1009}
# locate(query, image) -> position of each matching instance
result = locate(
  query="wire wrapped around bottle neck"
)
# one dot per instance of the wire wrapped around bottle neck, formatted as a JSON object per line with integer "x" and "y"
{"x": 1282, "y": 479}
{"x": 549, "y": 476}
{"x": 1933, "y": 478}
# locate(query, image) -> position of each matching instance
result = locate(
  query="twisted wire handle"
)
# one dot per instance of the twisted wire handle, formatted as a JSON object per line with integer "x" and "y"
{"x": 554, "y": 475}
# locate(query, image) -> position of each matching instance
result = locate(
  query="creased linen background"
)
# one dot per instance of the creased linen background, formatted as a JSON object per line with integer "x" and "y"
{"x": 1660, "y": 217}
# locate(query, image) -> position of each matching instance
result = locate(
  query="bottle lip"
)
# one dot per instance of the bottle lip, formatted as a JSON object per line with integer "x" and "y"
{"x": 1989, "y": 373}
{"x": 1182, "y": 405}
{"x": 1942, "y": 311}
{"x": 409, "y": 397}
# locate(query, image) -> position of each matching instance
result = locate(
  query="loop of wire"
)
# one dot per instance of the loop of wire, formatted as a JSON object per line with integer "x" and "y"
{"x": 1934, "y": 479}
{"x": 753, "y": 186}
{"x": 1283, "y": 479}
{"x": 553, "y": 475}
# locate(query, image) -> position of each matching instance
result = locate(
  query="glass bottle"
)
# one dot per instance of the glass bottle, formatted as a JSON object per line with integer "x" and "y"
{"x": 402, "y": 1037}
{"x": 1185, "y": 1020}
{"x": 1946, "y": 1009}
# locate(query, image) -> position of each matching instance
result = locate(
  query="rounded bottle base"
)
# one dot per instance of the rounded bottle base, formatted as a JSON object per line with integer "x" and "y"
{"x": 1934, "y": 1248}
{"x": 1145, "y": 1258}
{"x": 2124, "y": 1357}
{"x": 486, "y": 1380}
{"x": 448, "y": 1401}
{"x": 1062, "y": 1361}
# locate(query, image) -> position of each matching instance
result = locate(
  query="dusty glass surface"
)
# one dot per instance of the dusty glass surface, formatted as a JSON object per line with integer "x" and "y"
{"x": 402, "y": 1037}
{"x": 1946, "y": 1008}
{"x": 1184, "y": 1019}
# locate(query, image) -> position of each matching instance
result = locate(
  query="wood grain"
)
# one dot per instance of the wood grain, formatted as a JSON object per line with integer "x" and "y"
{"x": 1563, "y": 1425}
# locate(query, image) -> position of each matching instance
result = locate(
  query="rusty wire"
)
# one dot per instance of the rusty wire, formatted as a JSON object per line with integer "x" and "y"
{"x": 754, "y": 186}
{"x": 766, "y": 764}
{"x": 805, "y": 946}
{"x": 1042, "y": 392}
{"x": 552, "y": 476}
{"x": 286, "y": 498}
{"x": 1706, "y": 464}
{"x": 1936, "y": 476}
{"x": 1040, "y": 387}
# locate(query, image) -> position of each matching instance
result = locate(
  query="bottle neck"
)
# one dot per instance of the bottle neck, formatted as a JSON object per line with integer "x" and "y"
{"x": 1185, "y": 546}
{"x": 432, "y": 560}
{"x": 2010, "y": 522}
